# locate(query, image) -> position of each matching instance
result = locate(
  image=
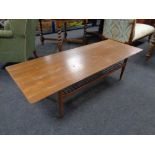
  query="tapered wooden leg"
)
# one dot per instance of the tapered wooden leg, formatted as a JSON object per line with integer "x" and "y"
{"x": 61, "y": 104}
{"x": 123, "y": 68}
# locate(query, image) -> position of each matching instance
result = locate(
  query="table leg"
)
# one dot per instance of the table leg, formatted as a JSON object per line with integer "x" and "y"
{"x": 41, "y": 32}
{"x": 61, "y": 104}
{"x": 123, "y": 68}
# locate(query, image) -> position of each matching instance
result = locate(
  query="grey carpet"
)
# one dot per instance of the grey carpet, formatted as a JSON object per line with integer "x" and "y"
{"x": 109, "y": 107}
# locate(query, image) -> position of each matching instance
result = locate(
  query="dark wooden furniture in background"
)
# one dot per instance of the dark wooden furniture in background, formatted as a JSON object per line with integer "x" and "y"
{"x": 67, "y": 72}
{"x": 97, "y": 33}
{"x": 146, "y": 21}
{"x": 59, "y": 40}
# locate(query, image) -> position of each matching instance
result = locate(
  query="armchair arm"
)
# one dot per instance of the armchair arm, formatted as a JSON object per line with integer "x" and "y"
{"x": 6, "y": 34}
{"x": 7, "y": 25}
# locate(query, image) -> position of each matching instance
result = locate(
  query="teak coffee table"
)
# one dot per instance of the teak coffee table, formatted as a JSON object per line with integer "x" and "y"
{"x": 67, "y": 72}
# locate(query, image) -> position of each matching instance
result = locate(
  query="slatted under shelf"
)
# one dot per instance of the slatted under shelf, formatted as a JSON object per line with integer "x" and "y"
{"x": 91, "y": 79}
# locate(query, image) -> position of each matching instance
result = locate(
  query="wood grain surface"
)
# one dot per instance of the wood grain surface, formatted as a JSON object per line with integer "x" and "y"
{"x": 47, "y": 75}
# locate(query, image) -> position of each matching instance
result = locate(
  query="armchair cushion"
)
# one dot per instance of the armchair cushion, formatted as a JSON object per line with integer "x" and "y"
{"x": 6, "y": 34}
{"x": 142, "y": 30}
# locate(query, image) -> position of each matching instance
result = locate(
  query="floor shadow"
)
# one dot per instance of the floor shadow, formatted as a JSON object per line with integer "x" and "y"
{"x": 90, "y": 92}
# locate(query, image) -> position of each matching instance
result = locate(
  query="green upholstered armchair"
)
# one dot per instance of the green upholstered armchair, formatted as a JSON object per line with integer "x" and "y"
{"x": 17, "y": 40}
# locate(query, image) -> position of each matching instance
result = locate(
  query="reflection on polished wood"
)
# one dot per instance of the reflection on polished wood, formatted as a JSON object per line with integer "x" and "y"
{"x": 47, "y": 75}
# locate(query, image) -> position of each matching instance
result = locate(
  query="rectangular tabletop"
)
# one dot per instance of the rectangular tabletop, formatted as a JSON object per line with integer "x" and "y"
{"x": 47, "y": 75}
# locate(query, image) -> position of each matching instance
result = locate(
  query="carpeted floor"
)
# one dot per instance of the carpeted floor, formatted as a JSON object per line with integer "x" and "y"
{"x": 109, "y": 107}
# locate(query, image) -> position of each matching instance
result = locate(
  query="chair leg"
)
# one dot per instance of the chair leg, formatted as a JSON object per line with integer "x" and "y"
{"x": 85, "y": 33}
{"x": 35, "y": 54}
{"x": 60, "y": 40}
{"x": 149, "y": 37}
{"x": 41, "y": 32}
{"x": 150, "y": 51}
{"x": 65, "y": 30}
{"x": 61, "y": 104}
{"x": 123, "y": 68}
